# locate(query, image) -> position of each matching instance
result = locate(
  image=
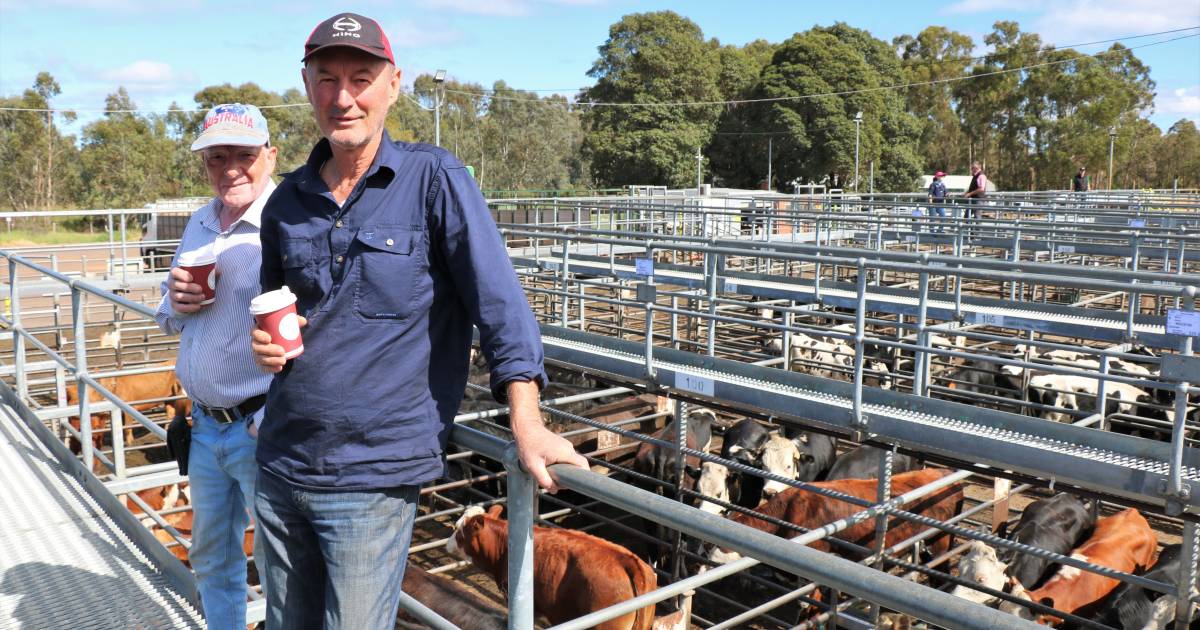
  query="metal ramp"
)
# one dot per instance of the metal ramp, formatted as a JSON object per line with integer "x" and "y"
{"x": 70, "y": 555}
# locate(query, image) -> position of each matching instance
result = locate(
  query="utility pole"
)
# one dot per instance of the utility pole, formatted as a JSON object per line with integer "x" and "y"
{"x": 1112, "y": 137}
{"x": 857, "y": 129}
{"x": 770, "y": 147}
{"x": 699, "y": 160}
{"x": 439, "y": 78}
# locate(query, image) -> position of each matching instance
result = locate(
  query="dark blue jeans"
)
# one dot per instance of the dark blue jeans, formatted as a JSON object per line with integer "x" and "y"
{"x": 335, "y": 559}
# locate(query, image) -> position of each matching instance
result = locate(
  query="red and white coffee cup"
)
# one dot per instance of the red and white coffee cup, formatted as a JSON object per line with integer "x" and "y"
{"x": 202, "y": 264}
{"x": 275, "y": 312}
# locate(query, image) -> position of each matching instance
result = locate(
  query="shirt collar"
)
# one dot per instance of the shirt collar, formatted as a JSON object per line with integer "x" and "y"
{"x": 252, "y": 215}
{"x": 388, "y": 158}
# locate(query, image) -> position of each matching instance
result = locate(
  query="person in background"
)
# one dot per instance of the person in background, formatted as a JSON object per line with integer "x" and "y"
{"x": 215, "y": 364}
{"x": 393, "y": 256}
{"x": 1080, "y": 182}
{"x": 937, "y": 198}
{"x": 977, "y": 190}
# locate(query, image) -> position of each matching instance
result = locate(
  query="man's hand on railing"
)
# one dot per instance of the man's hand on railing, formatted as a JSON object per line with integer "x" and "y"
{"x": 269, "y": 356}
{"x": 537, "y": 446}
{"x": 184, "y": 294}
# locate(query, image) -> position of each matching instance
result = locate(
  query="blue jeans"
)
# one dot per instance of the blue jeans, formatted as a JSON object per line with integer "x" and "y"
{"x": 335, "y": 559}
{"x": 222, "y": 472}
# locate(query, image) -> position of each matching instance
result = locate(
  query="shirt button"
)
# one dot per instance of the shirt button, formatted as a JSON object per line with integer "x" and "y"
{"x": 285, "y": 257}
{"x": 338, "y": 223}
{"x": 340, "y": 258}
{"x": 390, "y": 242}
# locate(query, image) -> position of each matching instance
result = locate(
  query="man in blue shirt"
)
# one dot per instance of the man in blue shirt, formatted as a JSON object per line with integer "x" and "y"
{"x": 937, "y": 198}
{"x": 393, "y": 255}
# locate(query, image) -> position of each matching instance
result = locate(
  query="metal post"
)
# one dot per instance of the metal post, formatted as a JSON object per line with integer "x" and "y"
{"x": 566, "y": 300}
{"x": 85, "y": 419}
{"x": 522, "y": 508}
{"x": 680, "y": 461}
{"x": 922, "y": 358}
{"x": 14, "y": 300}
{"x": 859, "y": 325}
{"x": 883, "y": 492}
{"x": 1188, "y": 570}
{"x": 857, "y": 129}
{"x": 124, "y": 258}
{"x": 1134, "y": 297}
{"x": 714, "y": 263}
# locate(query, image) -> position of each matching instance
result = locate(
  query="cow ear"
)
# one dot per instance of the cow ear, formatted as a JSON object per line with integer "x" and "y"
{"x": 1003, "y": 530}
{"x": 496, "y": 510}
{"x": 692, "y": 472}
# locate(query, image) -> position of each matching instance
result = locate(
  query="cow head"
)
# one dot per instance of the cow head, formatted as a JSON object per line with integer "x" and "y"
{"x": 781, "y": 457}
{"x": 466, "y": 528}
{"x": 722, "y": 556}
{"x": 981, "y": 566}
{"x": 713, "y": 482}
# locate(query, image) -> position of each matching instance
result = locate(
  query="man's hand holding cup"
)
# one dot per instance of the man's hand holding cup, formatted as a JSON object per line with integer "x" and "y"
{"x": 276, "y": 336}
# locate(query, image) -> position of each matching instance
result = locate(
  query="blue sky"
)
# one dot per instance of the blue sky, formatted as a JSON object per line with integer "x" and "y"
{"x": 166, "y": 51}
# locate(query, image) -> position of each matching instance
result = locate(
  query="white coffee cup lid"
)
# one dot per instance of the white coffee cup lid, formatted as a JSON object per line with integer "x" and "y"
{"x": 197, "y": 257}
{"x": 272, "y": 301}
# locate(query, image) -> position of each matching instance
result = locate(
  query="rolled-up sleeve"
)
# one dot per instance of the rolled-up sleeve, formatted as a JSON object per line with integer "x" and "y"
{"x": 168, "y": 320}
{"x": 485, "y": 281}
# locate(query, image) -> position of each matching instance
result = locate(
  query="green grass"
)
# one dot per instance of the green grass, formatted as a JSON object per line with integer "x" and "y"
{"x": 24, "y": 237}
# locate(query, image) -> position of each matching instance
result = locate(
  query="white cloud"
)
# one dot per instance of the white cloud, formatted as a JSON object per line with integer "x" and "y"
{"x": 141, "y": 72}
{"x": 505, "y": 8}
{"x": 409, "y": 34}
{"x": 1184, "y": 101}
{"x": 1075, "y": 21}
{"x": 986, "y": 6}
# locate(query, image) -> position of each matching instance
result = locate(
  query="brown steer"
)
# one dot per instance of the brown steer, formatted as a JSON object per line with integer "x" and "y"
{"x": 131, "y": 388}
{"x": 810, "y": 510}
{"x": 573, "y": 573}
{"x": 1122, "y": 542}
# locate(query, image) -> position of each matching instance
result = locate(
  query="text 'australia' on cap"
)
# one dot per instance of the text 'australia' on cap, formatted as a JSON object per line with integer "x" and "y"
{"x": 353, "y": 30}
{"x": 232, "y": 124}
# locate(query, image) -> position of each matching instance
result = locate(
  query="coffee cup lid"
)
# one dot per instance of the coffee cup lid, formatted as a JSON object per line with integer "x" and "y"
{"x": 196, "y": 257}
{"x": 272, "y": 301}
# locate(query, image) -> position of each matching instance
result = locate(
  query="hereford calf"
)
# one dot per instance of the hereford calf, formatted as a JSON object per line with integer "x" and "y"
{"x": 1122, "y": 542}
{"x": 573, "y": 573}
{"x": 132, "y": 388}
{"x": 810, "y": 510}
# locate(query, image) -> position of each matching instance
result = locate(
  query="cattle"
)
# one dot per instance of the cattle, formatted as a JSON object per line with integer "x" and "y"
{"x": 780, "y": 457}
{"x": 986, "y": 377}
{"x": 131, "y": 388}
{"x": 182, "y": 522}
{"x": 660, "y": 463}
{"x": 1132, "y": 607}
{"x": 980, "y": 565}
{"x": 833, "y": 358}
{"x": 1122, "y": 542}
{"x": 1067, "y": 392}
{"x": 713, "y": 482}
{"x": 573, "y": 574}
{"x": 818, "y": 452}
{"x": 161, "y": 499}
{"x": 1056, "y": 524}
{"x": 863, "y": 463}
{"x": 809, "y": 510}
{"x": 743, "y": 443}
{"x": 454, "y": 603}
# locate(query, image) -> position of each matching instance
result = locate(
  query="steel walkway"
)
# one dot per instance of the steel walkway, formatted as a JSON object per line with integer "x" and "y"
{"x": 1050, "y": 318}
{"x": 1131, "y": 467}
{"x": 68, "y": 559}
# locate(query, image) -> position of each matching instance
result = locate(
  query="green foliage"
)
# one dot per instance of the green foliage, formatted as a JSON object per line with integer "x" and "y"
{"x": 658, "y": 57}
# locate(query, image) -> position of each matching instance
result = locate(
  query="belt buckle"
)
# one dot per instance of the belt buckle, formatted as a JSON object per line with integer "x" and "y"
{"x": 224, "y": 416}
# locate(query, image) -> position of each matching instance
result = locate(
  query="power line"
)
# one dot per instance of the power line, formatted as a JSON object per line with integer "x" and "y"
{"x": 843, "y": 92}
{"x": 689, "y": 103}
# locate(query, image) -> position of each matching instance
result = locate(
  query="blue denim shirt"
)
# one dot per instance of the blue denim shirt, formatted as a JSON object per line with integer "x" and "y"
{"x": 391, "y": 283}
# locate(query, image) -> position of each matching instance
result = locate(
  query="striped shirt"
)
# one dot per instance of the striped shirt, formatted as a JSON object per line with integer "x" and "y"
{"x": 215, "y": 364}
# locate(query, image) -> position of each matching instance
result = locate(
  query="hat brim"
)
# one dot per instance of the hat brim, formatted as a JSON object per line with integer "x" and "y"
{"x": 370, "y": 51}
{"x": 229, "y": 135}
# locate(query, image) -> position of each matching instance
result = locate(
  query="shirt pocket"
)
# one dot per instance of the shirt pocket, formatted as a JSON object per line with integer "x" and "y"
{"x": 296, "y": 259}
{"x": 387, "y": 272}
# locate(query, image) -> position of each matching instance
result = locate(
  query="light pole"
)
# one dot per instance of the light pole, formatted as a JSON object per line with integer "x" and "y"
{"x": 1112, "y": 137}
{"x": 857, "y": 128}
{"x": 439, "y": 78}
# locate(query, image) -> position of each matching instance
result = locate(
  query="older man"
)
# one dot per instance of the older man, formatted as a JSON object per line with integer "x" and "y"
{"x": 977, "y": 190}
{"x": 215, "y": 364}
{"x": 393, "y": 255}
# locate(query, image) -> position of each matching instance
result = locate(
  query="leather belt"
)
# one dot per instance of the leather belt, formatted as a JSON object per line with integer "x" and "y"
{"x": 235, "y": 413}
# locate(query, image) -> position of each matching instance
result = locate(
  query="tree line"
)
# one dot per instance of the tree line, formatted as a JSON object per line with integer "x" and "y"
{"x": 665, "y": 93}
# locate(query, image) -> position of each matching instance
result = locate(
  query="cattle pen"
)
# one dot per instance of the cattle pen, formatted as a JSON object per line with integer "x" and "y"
{"x": 1042, "y": 346}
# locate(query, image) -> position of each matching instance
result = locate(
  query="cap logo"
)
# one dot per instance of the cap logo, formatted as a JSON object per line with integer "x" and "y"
{"x": 346, "y": 23}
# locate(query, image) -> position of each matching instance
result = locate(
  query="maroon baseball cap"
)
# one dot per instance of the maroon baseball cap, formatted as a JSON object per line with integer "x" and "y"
{"x": 353, "y": 30}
